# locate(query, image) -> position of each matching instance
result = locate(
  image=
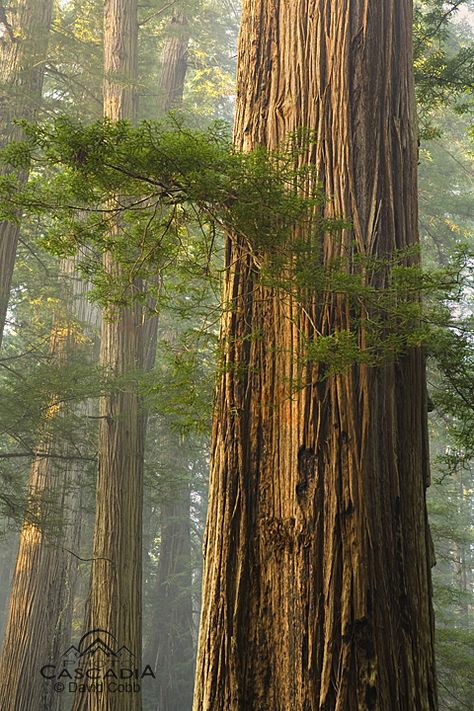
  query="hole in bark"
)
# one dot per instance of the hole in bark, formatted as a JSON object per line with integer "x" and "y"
{"x": 349, "y": 510}
{"x": 306, "y": 460}
{"x": 304, "y": 651}
{"x": 370, "y": 697}
{"x": 360, "y": 632}
{"x": 306, "y": 469}
{"x": 301, "y": 489}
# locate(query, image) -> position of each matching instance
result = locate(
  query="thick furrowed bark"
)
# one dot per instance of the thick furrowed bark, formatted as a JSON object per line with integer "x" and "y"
{"x": 317, "y": 590}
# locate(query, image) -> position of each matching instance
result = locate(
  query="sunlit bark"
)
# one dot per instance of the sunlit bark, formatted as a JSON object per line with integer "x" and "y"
{"x": 174, "y": 63}
{"x": 317, "y": 587}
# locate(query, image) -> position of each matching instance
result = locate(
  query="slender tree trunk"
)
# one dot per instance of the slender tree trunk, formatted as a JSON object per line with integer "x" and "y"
{"x": 462, "y": 559}
{"x": 174, "y": 628}
{"x": 23, "y": 49}
{"x": 171, "y": 646}
{"x": 115, "y": 601}
{"x": 174, "y": 63}
{"x": 64, "y": 584}
{"x": 317, "y": 584}
{"x": 7, "y": 565}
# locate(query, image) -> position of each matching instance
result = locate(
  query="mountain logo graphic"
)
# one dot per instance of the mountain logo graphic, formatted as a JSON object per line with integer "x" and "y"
{"x": 97, "y": 662}
{"x": 98, "y": 642}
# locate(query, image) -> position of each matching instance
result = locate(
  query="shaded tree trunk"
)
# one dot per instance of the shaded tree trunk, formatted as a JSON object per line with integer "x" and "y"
{"x": 23, "y": 48}
{"x": 174, "y": 63}
{"x": 7, "y": 565}
{"x": 171, "y": 643}
{"x": 317, "y": 581}
{"x": 115, "y": 599}
{"x": 174, "y": 627}
{"x": 171, "y": 647}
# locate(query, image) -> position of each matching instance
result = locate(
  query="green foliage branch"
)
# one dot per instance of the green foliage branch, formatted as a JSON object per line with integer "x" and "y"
{"x": 173, "y": 189}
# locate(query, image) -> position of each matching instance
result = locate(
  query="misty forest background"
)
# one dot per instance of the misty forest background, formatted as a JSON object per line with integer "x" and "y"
{"x": 50, "y": 377}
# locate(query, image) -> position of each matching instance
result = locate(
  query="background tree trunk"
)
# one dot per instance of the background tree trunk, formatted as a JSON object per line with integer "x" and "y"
{"x": 171, "y": 641}
{"x": 317, "y": 586}
{"x": 171, "y": 646}
{"x": 44, "y": 583}
{"x": 42, "y": 591}
{"x": 115, "y": 602}
{"x": 174, "y": 63}
{"x": 174, "y": 623}
{"x": 23, "y": 48}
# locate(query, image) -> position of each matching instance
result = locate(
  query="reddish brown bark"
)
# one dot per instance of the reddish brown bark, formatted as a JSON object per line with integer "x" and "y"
{"x": 317, "y": 588}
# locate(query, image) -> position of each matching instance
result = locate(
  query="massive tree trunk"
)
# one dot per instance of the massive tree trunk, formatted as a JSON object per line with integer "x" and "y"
{"x": 23, "y": 46}
{"x": 115, "y": 600}
{"x": 317, "y": 584}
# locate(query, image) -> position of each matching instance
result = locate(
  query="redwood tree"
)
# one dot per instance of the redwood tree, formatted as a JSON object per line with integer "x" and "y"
{"x": 317, "y": 581}
{"x": 39, "y": 617}
{"x": 170, "y": 647}
{"x": 38, "y": 625}
{"x": 174, "y": 63}
{"x": 24, "y": 28}
{"x": 115, "y": 598}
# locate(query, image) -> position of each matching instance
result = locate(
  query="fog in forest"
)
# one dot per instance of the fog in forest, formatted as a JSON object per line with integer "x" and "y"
{"x": 252, "y": 258}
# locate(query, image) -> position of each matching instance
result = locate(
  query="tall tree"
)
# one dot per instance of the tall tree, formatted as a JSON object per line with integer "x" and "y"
{"x": 115, "y": 599}
{"x": 317, "y": 582}
{"x": 174, "y": 63}
{"x": 24, "y": 31}
{"x": 171, "y": 646}
{"x": 42, "y": 590}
